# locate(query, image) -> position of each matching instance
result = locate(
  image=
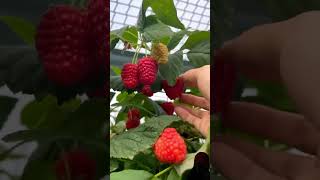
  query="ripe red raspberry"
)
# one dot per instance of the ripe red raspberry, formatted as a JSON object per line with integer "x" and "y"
{"x": 148, "y": 69}
{"x": 129, "y": 75}
{"x": 99, "y": 18}
{"x": 133, "y": 118}
{"x": 61, "y": 42}
{"x": 132, "y": 123}
{"x": 175, "y": 91}
{"x": 79, "y": 165}
{"x": 146, "y": 90}
{"x": 168, "y": 107}
{"x": 134, "y": 113}
{"x": 170, "y": 147}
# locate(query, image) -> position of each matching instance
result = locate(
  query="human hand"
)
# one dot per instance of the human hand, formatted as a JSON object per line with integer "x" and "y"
{"x": 285, "y": 52}
{"x": 199, "y": 115}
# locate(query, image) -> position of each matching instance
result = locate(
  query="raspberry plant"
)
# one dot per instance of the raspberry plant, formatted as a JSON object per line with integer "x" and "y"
{"x": 163, "y": 50}
{"x": 66, "y": 118}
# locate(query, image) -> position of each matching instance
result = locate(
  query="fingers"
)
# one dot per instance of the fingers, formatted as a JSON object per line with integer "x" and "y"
{"x": 190, "y": 78}
{"x": 236, "y": 166}
{"x": 199, "y": 119}
{"x": 285, "y": 127}
{"x": 195, "y": 101}
{"x": 280, "y": 163}
{"x": 256, "y": 52}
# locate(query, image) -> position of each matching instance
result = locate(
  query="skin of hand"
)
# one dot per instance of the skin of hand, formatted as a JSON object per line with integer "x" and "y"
{"x": 286, "y": 52}
{"x": 200, "y": 115}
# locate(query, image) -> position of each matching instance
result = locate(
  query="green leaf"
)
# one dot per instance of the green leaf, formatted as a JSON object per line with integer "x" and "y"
{"x": 21, "y": 70}
{"x": 24, "y": 29}
{"x": 119, "y": 127}
{"x": 89, "y": 118}
{"x": 195, "y": 38}
{"x": 43, "y": 114}
{"x": 131, "y": 174}
{"x": 52, "y": 136}
{"x": 116, "y": 70}
{"x": 39, "y": 169}
{"x": 166, "y": 12}
{"x": 200, "y": 54}
{"x": 187, "y": 164}
{"x": 155, "y": 30}
{"x": 134, "y": 141}
{"x": 127, "y": 33}
{"x": 176, "y": 38}
{"x": 116, "y": 83}
{"x": 6, "y": 106}
{"x": 114, "y": 165}
{"x": 47, "y": 113}
{"x": 173, "y": 175}
{"x": 173, "y": 68}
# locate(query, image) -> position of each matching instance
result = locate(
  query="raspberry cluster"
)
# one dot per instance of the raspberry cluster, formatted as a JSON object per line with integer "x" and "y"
{"x": 144, "y": 73}
{"x": 71, "y": 42}
{"x": 170, "y": 147}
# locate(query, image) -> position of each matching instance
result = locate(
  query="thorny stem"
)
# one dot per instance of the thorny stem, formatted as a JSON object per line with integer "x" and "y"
{"x": 163, "y": 171}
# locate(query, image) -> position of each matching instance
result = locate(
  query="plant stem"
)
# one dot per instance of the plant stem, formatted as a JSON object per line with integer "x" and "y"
{"x": 163, "y": 171}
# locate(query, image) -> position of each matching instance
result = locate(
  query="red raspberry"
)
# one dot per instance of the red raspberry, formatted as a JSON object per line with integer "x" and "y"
{"x": 134, "y": 113}
{"x": 99, "y": 18}
{"x": 133, "y": 118}
{"x": 129, "y": 75}
{"x": 61, "y": 41}
{"x": 132, "y": 123}
{"x": 79, "y": 165}
{"x": 170, "y": 147}
{"x": 148, "y": 69}
{"x": 175, "y": 91}
{"x": 146, "y": 90}
{"x": 168, "y": 107}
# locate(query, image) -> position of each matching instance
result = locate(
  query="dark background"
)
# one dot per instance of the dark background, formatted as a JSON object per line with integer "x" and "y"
{"x": 29, "y": 10}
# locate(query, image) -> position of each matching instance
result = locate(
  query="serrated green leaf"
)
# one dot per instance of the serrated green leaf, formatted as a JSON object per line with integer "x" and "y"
{"x": 176, "y": 38}
{"x": 131, "y": 174}
{"x": 119, "y": 127}
{"x": 195, "y": 38}
{"x": 166, "y": 12}
{"x": 155, "y": 30}
{"x": 127, "y": 33}
{"x": 200, "y": 54}
{"x": 24, "y": 29}
{"x": 134, "y": 141}
{"x": 6, "y": 106}
{"x": 173, "y": 68}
